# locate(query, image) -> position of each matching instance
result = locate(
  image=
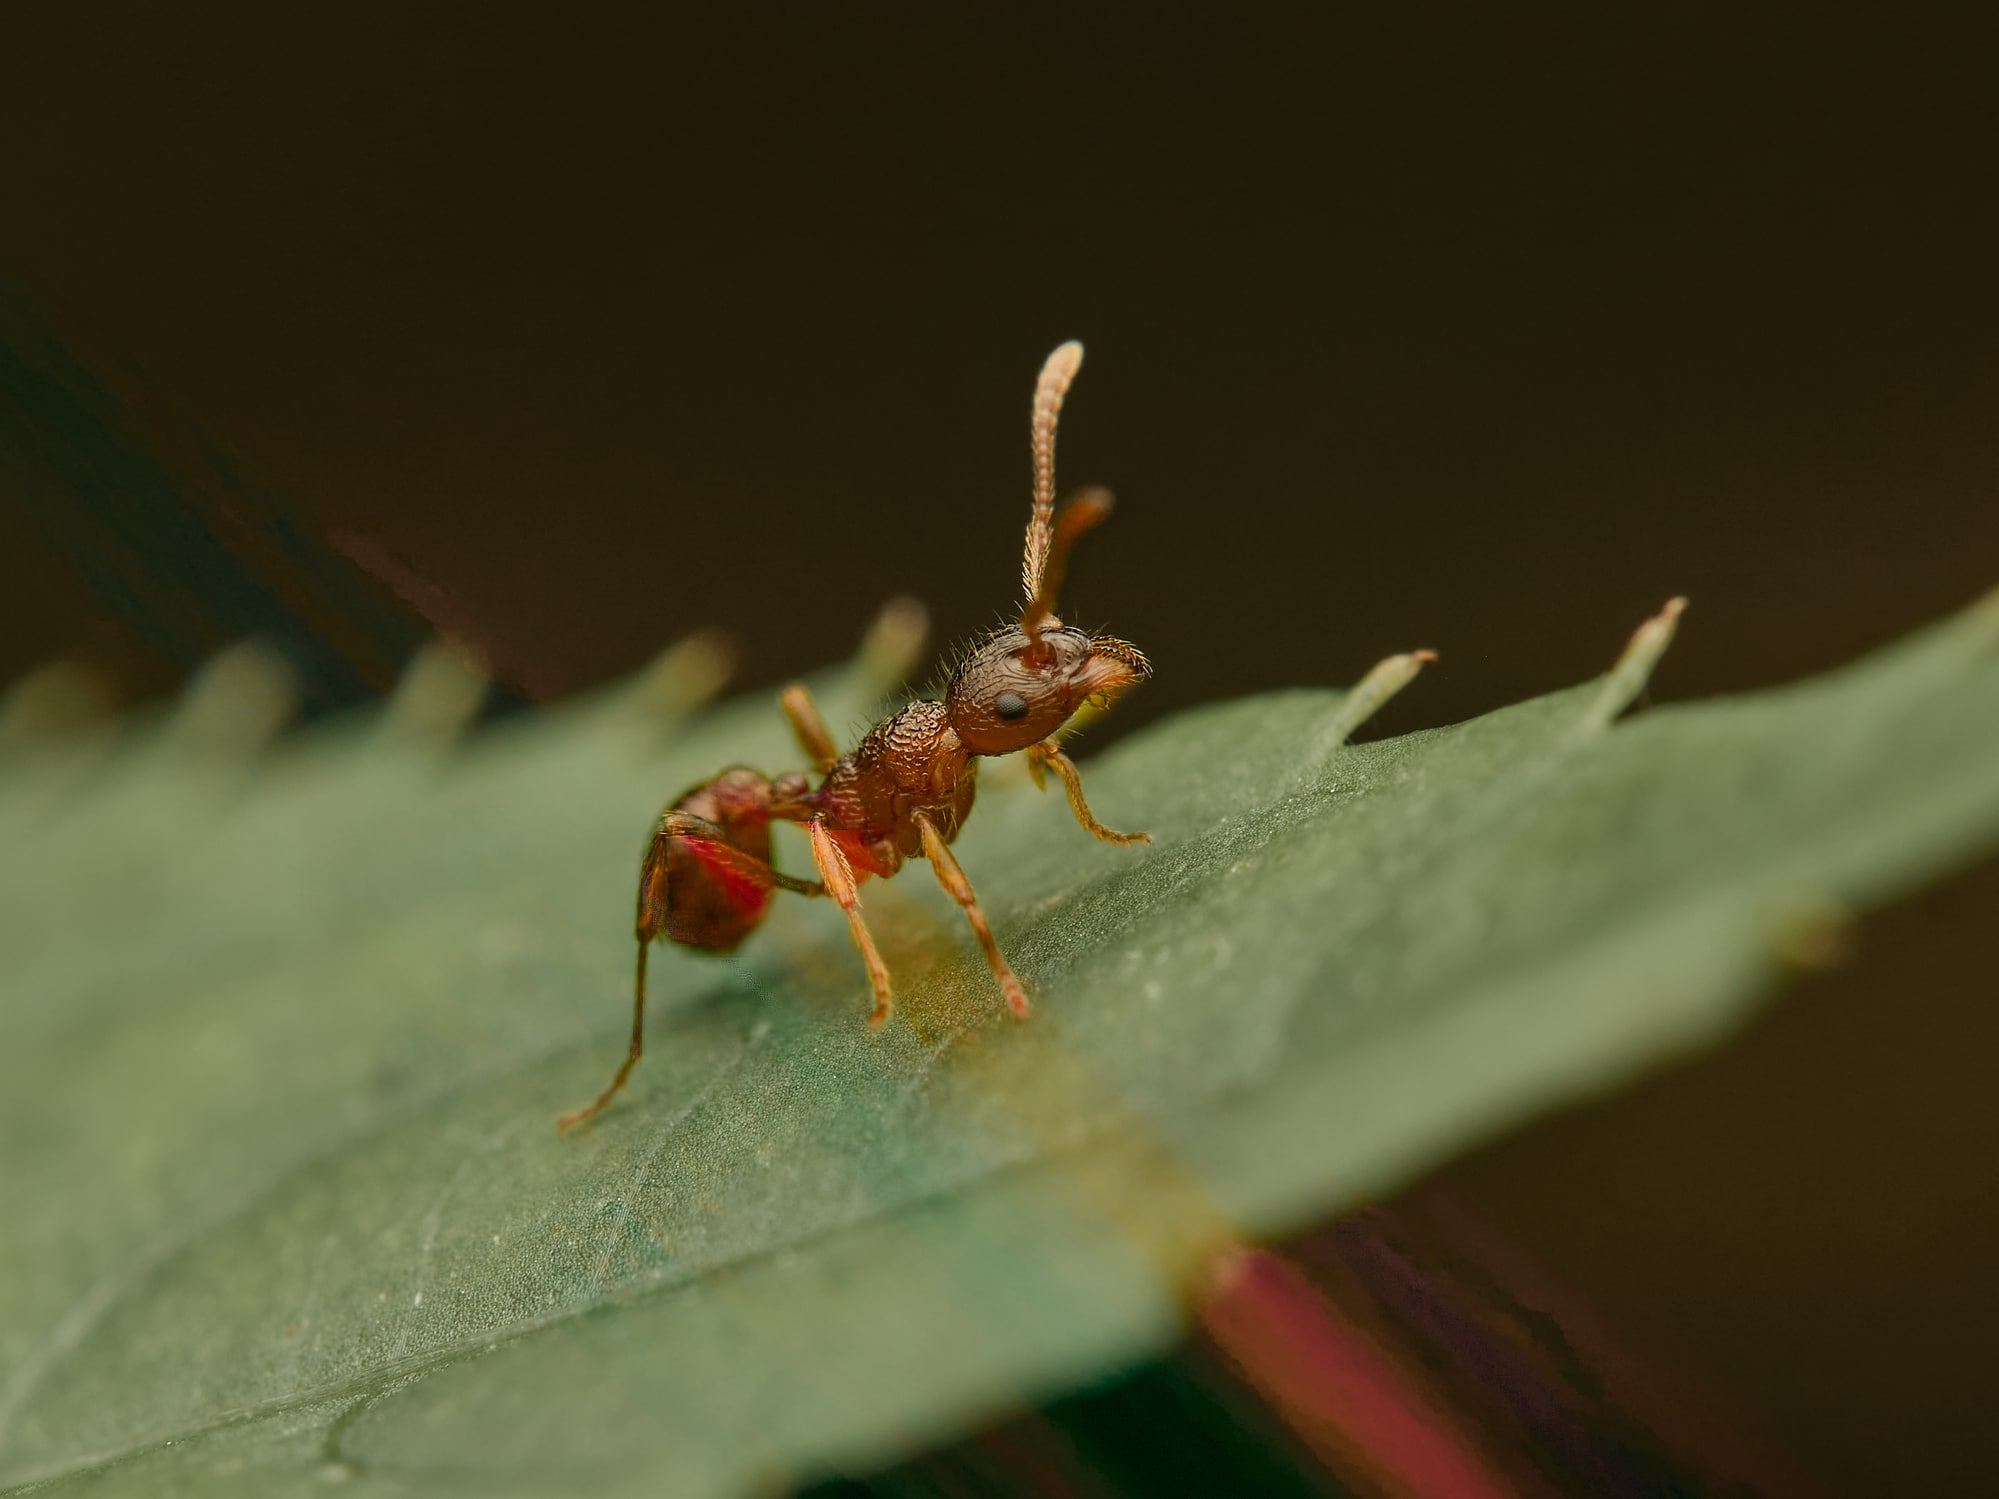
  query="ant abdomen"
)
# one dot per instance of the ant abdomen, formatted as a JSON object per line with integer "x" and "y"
{"x": 691, "y": 889}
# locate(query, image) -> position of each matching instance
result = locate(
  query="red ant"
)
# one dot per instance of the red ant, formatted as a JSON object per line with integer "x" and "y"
{"x": 907, "y": 788}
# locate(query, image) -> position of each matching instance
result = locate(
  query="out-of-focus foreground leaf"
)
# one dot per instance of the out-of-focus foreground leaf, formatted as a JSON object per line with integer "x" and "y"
{"x": 284, "y": 1034}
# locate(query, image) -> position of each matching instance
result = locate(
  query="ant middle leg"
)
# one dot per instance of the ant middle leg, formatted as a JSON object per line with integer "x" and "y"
{"x": 1049, "y": 753}
{"x": 808, "y": 726}
{"x": 840, "y": 884}
{"x": 951, "y": 875}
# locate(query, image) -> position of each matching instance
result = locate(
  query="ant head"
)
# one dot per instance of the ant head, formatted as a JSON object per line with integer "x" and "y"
{"x": 1027, "y": 681}
{"x": 1012, "y": 691}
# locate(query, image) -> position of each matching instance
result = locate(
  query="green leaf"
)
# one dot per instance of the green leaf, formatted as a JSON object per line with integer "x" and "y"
{"x": 285, "y": 1031}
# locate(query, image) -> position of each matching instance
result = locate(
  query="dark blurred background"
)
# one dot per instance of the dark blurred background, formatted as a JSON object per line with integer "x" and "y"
{"x": 570, "y": 332}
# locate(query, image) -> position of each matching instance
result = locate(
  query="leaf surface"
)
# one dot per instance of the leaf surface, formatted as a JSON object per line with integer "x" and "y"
{"x": 285, "y": 1032}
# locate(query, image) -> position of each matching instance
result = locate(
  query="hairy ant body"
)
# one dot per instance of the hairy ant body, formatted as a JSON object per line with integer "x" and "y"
{"x": 907, "y": 788}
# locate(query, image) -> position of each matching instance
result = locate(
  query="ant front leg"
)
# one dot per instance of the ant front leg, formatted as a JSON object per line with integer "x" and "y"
{"x": 1049, "y": 753}
{"x": 951, "y": 875}
{"x": 840, "y": 884}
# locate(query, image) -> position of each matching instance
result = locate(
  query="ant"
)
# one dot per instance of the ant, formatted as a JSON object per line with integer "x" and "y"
{"x": 907, "y": 788}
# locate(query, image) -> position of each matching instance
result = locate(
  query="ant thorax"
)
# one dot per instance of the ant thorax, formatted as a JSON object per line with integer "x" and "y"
{"x": 912, "y": 761}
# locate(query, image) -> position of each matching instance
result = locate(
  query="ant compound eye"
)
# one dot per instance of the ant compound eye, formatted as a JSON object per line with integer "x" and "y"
{"x": 1010, "y": 705}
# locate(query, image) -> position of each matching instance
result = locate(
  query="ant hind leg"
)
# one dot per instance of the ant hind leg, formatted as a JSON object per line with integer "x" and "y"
{"x": 687, "y": 825}
{"x": 651, "y": 921}
{"x": 565, "y": 1122}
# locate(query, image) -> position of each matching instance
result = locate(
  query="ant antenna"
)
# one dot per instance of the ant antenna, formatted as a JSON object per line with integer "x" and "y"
{"x": 1049, "y": 390}
{"x": 1049, "y": 538}
{"x": 1083, "y": 511}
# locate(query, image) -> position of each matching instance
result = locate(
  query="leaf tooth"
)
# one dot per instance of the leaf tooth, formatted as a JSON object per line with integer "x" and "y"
{"x": 437, "y": 698}
{"x": 893, "y": 643}
{"x": 682, "y": 677}
{"x": 1634, "y": 668}
{"x": 236, "y": 704}
{"x": 1815, "y": 933}
{"x": 1985, "y": 609}
{"x": 50, "y": 701}
{"x": 1367, "y": 698}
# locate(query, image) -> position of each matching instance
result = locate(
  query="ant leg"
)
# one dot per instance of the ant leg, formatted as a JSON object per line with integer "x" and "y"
{"x": 673, "y": 825}
{"x": 840, "y": 884}
{"x": 951, "y": 875}
{"x": 1049, "y": 753}
{"x": 652, "y": 917}
{"x": 565, "y": 1122}
{"x": 808, "y": 726}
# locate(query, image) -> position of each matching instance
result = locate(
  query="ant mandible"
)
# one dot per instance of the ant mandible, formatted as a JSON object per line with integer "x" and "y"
{"x": 907, "y": 788}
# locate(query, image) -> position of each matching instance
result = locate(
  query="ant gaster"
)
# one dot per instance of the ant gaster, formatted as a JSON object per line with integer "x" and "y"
{"x": 907, "y": 788}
